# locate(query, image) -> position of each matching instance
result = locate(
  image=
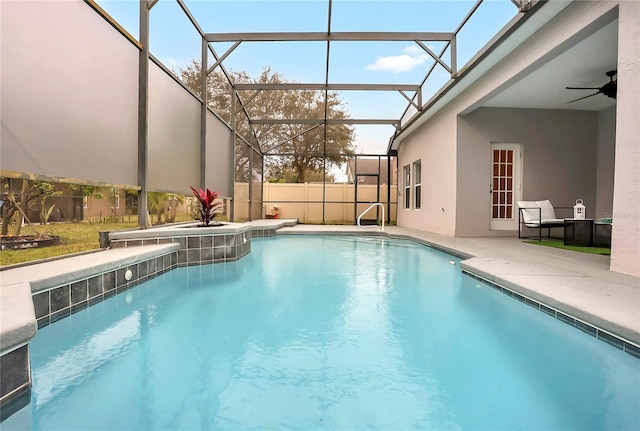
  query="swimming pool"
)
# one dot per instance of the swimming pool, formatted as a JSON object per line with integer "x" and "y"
{"x": 330, "y": 333}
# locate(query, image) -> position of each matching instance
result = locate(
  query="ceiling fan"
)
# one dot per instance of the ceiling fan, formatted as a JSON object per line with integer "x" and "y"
{"x": 609, "y": 89}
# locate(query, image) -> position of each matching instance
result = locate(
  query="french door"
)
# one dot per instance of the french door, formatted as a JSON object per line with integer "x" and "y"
{"x": 505, "y": 187}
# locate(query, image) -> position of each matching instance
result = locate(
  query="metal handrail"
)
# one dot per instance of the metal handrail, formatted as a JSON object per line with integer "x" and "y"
{"x": 367, "y": 210}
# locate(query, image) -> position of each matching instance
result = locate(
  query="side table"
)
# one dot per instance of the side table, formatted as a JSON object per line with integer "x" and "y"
{"x": 602, "y": 234}
{"x": 578, "y": 232}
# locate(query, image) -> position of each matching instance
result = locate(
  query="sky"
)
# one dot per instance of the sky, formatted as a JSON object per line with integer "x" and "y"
{"x": 175, "y": 42}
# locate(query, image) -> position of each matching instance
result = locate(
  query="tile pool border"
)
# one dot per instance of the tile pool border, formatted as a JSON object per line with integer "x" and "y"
{"x": 589, "y": 329}
{"x": 197, "y": 245}
{"x": 62, "y": 300}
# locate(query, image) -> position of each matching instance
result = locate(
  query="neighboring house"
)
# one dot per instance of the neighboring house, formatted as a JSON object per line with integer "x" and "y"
{"x": 372, "y": 170}
{"x": 108, "y": 203}
{"x": 504, "y": 131}
{"x": 61, "y": 205}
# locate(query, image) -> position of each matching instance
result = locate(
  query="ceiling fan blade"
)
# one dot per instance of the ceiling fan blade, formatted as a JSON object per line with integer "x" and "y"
{"x": 583, "y": 88}
{"x": 575, "y": 100}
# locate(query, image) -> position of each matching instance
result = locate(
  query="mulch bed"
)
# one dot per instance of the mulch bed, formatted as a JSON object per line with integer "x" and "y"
{"x": 28, "y": 241}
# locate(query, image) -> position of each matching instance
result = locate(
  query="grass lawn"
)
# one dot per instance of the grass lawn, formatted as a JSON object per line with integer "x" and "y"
{"x": 559, "y": 243}
{"x": 75, "y": 237}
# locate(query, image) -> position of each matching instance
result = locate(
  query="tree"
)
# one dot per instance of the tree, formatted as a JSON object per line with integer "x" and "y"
{"x": 164, "y": 203}
{"x": 15, "y": 204}
{"x": 155, "y": 203}
{"x": 280, "y": 173}
{"x": 298, "y": 147}
{"x": 47, "y": 190}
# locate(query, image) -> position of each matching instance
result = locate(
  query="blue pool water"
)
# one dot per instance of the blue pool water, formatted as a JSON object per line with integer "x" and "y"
{"x": 326, "y": 333}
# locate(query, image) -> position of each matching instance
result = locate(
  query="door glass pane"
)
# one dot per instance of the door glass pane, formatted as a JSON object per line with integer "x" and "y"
{"x": 502, "y": 181}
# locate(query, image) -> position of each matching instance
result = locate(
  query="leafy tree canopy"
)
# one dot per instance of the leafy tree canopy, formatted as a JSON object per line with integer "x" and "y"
{"x": 300, "y": 148}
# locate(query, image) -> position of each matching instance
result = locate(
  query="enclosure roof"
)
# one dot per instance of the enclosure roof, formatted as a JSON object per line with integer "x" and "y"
{"x": 385, "y": 59}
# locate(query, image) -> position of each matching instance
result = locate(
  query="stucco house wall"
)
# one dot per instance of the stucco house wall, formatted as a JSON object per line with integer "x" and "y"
{"x": 435, "y": 146}
{"x": 625, "y": 239}
{"x": 435, "y": 138}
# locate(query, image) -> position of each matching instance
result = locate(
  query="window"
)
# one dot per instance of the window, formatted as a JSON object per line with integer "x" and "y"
{"x": 115, "y": 193}
{"x": 85, "y": 202}
{"x": 407, "y": 186}
{"x": 417, "y": 184}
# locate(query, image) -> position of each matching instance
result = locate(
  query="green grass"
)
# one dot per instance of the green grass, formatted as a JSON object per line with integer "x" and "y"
{"x": 75, "y": 237}
{"x": 559, "y": 243}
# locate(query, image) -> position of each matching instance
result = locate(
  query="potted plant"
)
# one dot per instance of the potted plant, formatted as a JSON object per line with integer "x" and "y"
{"x": 210, "y": 207}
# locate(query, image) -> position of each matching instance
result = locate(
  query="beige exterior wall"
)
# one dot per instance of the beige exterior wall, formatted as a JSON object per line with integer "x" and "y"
{"x": 434, "y": 145}
{"x": 625, "y": 251}
{"x": 304, "y": 201}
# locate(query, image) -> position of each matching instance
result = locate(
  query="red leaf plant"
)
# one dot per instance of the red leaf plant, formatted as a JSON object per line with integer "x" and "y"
{"x": 209, "y": 206}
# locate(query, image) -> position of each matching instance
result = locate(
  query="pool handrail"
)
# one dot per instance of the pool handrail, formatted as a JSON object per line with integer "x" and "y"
{"x": 367, "y": 210}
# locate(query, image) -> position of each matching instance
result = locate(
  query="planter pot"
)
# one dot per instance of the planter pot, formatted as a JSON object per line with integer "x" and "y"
{"x": 211, "y": 224}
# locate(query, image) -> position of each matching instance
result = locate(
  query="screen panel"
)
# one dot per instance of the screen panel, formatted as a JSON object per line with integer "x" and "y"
{"x": 174, "y": 134}
{"x": 219, "y": 156}
{"x": 69, "y": 94}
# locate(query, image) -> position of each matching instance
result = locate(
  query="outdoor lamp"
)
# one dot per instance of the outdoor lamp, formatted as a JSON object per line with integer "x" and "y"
{"x": 578, "y": 209}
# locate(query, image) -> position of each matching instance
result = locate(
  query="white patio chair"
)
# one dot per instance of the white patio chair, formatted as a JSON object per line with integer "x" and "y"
{"x": 537, "y": 214}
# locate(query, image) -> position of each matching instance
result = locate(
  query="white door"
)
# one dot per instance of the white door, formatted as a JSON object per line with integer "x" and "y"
{"x": 505, "y": 187}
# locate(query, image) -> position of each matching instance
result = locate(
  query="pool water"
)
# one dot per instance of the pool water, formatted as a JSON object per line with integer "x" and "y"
{"x": 326, "y": 333}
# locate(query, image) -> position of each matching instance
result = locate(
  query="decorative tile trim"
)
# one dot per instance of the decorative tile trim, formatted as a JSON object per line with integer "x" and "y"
{"x": 15, "y": 381}
{"x": 61, "y": 301}
{"x": 259, "y": 232}
{"x": 587, "y": 328}
{"x": 200, "y": 249}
